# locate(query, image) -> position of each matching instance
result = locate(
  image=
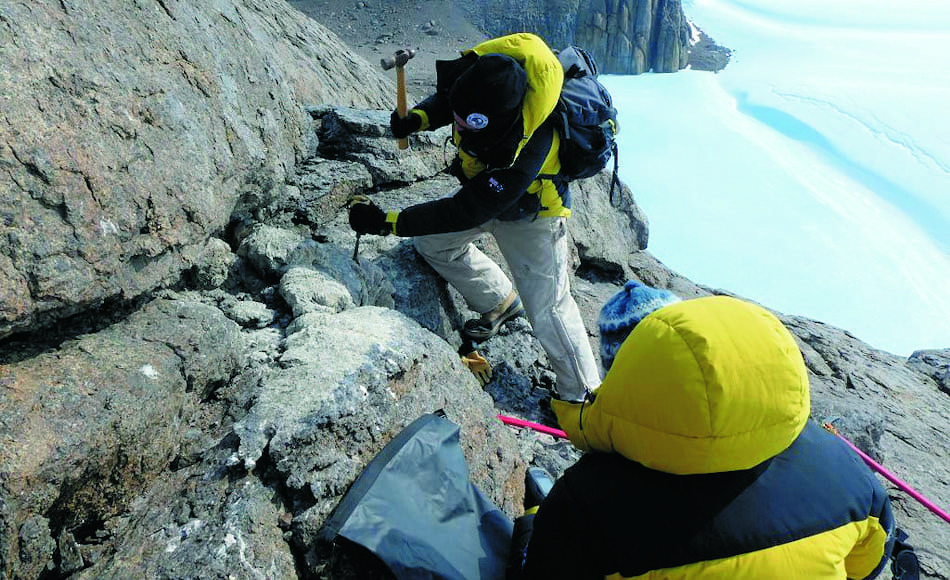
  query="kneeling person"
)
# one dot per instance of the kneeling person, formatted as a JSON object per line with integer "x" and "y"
{"x": 703, "y": 462}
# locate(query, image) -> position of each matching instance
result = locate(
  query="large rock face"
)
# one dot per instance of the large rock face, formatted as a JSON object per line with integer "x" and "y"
{"x": 90, "y": 426}
{"x": 635, "y": 36}
{"x": 133, "y": 129}
{"x": 624, "y": 36}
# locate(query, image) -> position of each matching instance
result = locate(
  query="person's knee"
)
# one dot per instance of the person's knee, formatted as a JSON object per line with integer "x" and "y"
{"x": 431, "y": 252}
{"x": 437, "y": 251}
{"x": 422, "y": 245}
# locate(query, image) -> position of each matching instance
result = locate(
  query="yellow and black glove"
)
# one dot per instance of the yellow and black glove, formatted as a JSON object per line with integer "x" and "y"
{"x": 479, "y": 367}
{"x": 367, "y": 218}
{"x": 403, "y": 126}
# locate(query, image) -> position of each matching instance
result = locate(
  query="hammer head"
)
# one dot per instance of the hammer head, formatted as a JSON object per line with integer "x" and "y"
{"x": 399, "y": 58}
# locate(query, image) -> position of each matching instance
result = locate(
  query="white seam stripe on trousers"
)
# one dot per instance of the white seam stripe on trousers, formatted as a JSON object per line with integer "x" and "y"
{"x": 536, "y": 252}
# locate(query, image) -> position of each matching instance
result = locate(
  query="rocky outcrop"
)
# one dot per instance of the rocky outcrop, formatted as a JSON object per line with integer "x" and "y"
{"x": 89, "y": 427}
{"x": 208, "y": 428}
{"x": 133, "y": 131}
{"x": 624, "y": 36}
{"x": 213, "y": 430}
{"x": 280, "y": 384}
{"x": 935, "y": 364}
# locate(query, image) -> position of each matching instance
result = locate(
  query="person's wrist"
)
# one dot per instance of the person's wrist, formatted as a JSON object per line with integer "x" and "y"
{"x": 423, "y": 119}
{"x": 390, "y": 225}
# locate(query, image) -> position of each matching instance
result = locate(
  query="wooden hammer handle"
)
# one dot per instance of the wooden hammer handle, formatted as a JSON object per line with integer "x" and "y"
{"x": 401, "y": 105}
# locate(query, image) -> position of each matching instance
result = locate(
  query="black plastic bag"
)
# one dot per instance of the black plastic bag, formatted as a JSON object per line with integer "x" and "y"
{"x": 416, "y": 509}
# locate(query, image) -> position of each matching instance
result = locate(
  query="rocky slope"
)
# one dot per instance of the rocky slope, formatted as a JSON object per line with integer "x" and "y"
{"x": 132, "y": 132}
{"x": 232, "y": 368}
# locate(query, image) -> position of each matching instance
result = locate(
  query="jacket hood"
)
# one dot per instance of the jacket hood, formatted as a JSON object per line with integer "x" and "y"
{"x": 545, "y": 75}
{"x": 702, "y": 386}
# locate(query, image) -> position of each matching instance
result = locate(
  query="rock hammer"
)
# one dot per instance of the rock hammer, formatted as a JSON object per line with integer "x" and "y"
{"x": 399, "y": 60}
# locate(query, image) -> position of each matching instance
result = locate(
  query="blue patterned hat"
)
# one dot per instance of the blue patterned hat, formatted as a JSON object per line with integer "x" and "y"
{"x": 624, "y": 311}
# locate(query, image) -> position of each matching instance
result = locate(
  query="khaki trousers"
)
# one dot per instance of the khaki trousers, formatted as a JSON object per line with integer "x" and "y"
{"x": 536, "y": 252}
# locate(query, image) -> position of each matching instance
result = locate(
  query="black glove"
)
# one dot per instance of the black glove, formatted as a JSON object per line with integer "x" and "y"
{"x": 403, "y": 126}
{"x": 367, "y": 218}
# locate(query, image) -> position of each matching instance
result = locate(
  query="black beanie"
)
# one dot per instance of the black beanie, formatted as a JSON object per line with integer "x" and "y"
{"x": 489, "y": 94}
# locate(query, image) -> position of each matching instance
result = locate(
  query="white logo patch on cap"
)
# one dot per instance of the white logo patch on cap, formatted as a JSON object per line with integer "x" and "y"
{"x": 476, "y": 121}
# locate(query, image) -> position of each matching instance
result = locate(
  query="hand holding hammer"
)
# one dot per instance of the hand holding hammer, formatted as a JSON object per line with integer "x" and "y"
{"x": 399, "y": 60}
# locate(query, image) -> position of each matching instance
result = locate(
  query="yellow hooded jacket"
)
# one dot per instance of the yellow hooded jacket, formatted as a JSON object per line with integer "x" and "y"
{"x": 703, "y": 463}
{"x": 545, "y": 79}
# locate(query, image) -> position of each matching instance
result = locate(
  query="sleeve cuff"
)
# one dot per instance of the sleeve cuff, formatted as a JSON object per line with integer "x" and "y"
{"x": 424, "y": 116}
{"x": 391, "y": 218}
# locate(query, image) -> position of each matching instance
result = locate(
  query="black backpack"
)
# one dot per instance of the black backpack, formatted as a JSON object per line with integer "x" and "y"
{"x": 586, "y": 120}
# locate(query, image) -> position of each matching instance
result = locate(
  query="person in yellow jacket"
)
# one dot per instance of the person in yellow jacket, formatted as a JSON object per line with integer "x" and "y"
{"x": 702, "y": 461}
{"x": 498, "y": 97}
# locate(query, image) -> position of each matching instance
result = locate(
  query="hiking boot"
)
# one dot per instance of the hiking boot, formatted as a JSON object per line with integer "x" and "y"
{"x": 485, "y": 327}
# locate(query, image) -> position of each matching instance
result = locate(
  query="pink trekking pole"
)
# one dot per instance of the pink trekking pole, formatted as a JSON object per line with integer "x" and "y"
{"x": 901, "y": 484}
{"x": 528, "y": 424}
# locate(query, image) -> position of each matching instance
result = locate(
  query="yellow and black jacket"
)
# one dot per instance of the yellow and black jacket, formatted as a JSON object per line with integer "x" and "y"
{"x": 502, "y": 182}
{"x": 703, "y": 463}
